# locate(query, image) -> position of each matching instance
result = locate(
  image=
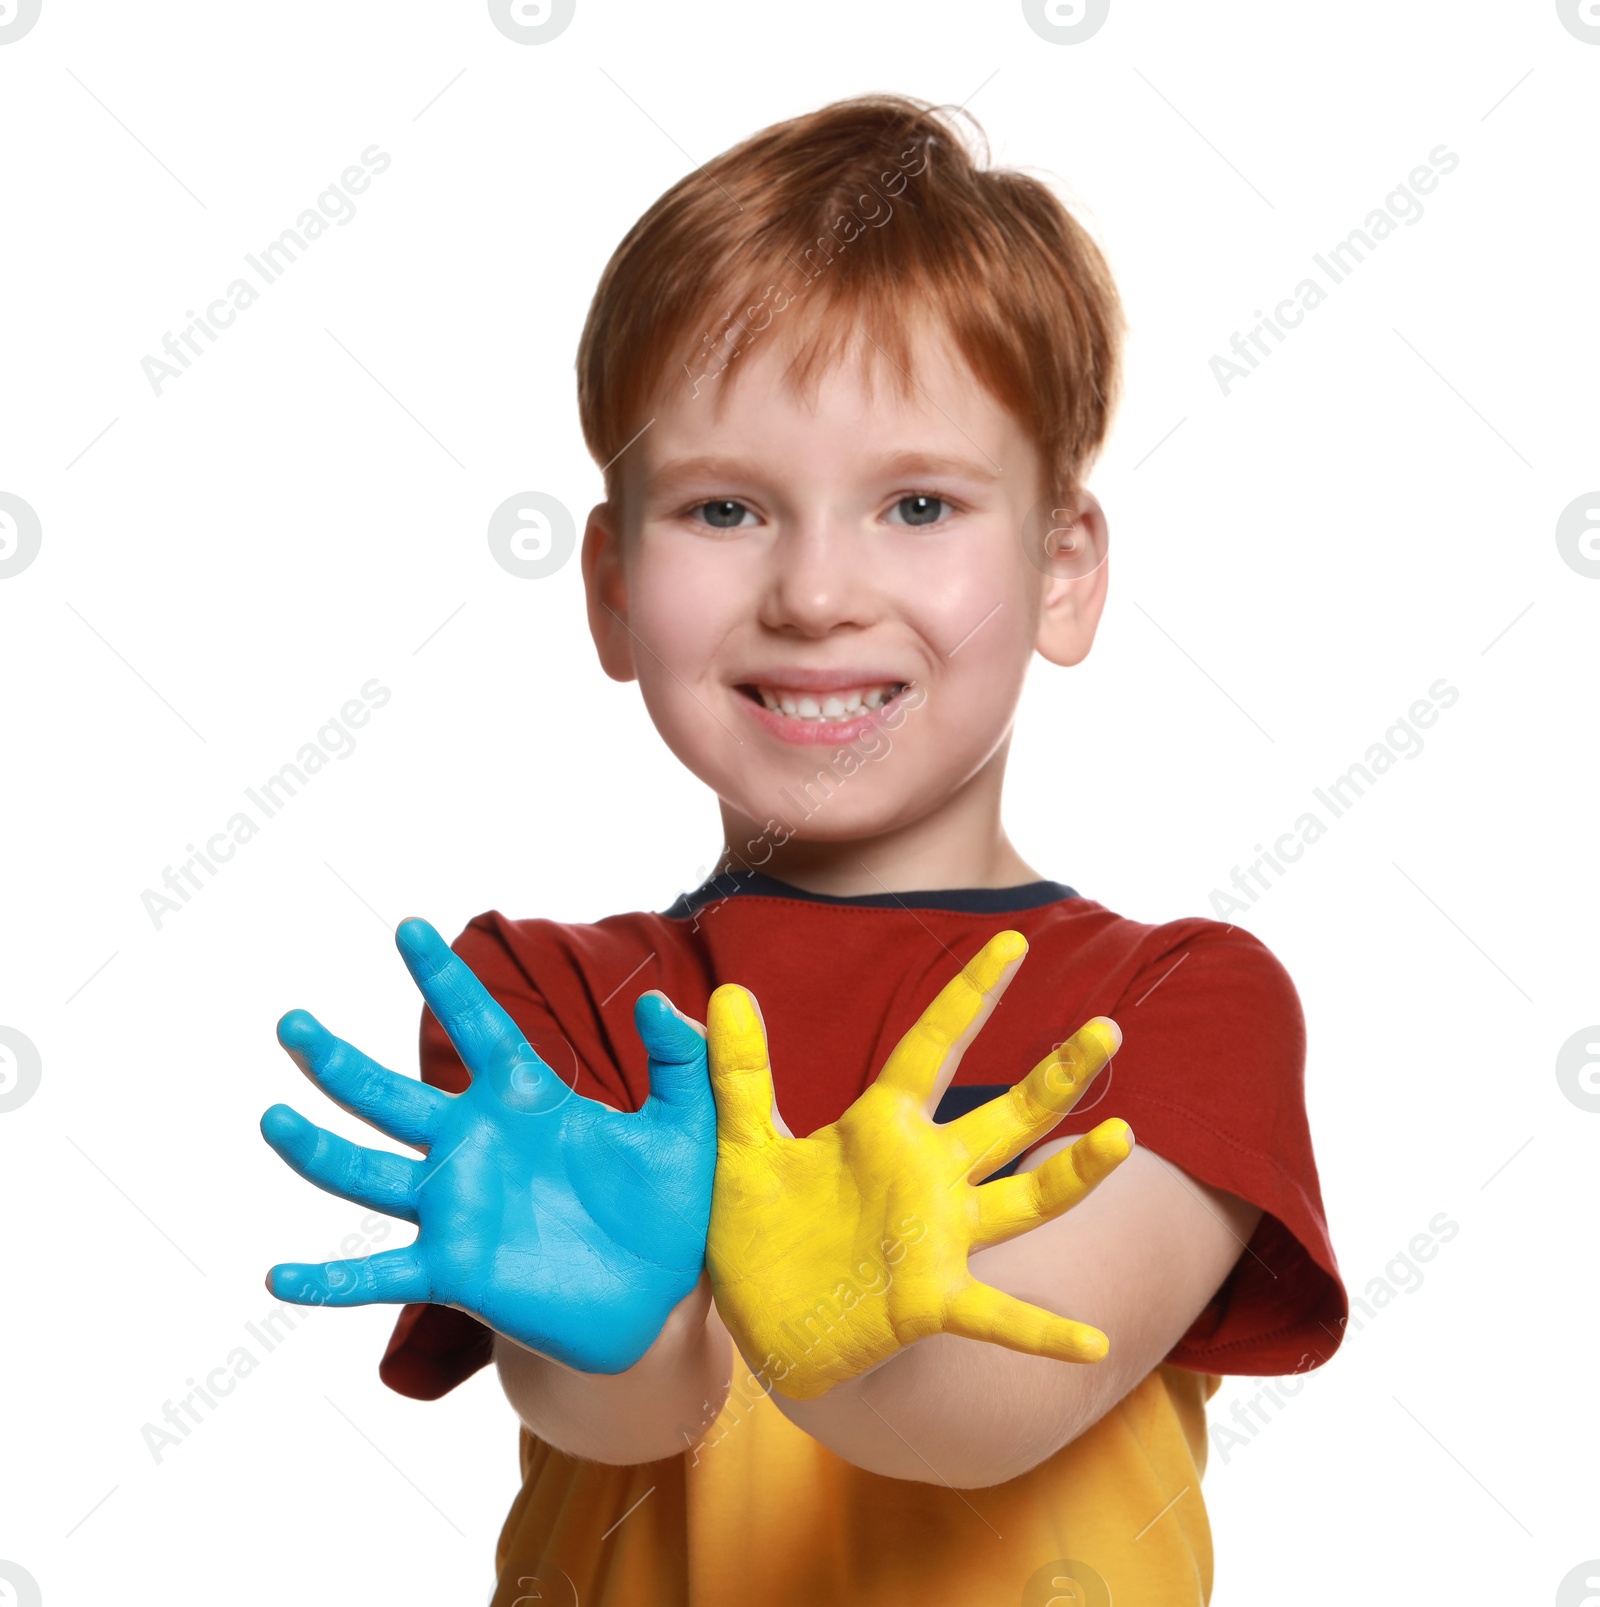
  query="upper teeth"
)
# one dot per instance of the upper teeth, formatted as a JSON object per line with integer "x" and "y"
{"x": 843, "y": 705}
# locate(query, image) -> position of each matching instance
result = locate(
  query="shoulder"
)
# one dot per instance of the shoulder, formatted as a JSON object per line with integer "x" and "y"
{"x": 1193, "y": 955}
{"x": 1200, "y": 1003}
{"x": 1212, "y": 1022}
{"x": 1225, "y": 956}
{"x": 522, "y": 944}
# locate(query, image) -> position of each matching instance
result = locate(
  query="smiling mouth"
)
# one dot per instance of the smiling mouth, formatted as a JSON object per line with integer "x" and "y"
{"x": 825, "y": 708}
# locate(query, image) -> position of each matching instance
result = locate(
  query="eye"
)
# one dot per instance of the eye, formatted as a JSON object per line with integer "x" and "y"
{"x": 921, "y": 509}
{"x": 721, "y": 514}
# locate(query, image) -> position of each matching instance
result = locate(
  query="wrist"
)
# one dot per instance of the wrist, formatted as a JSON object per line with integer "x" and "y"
{"x": 697, "y": 1350}
{"x": 651, "y": 1410}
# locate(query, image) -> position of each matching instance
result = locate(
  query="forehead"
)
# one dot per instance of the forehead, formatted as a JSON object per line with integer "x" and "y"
{"x": 861, "y": 406}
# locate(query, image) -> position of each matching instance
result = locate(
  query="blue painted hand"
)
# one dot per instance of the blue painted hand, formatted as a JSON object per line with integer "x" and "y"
{"x": 570, "y": 1227}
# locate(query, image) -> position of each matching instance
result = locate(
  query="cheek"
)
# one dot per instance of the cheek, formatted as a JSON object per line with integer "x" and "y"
{"x": 981, "y": 622}
{"x": 978, "y": 691}
{"x": 680, "y": 615}
{"x": 677, "y": 611}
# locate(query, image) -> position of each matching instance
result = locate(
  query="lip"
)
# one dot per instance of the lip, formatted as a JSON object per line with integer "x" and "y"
{"x": 818, "y": 680}
{"x": 817, "y": 733}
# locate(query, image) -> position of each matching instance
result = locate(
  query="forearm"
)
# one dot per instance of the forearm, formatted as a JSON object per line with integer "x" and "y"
{"x": 659, "y": 1407}
{"x": 1138, "y": 1259}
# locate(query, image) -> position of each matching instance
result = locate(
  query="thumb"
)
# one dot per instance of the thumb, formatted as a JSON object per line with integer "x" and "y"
{"x": 741, "y": 1076}
{"x": 777, "y": 1118}
{"x": 675, "y": 1049}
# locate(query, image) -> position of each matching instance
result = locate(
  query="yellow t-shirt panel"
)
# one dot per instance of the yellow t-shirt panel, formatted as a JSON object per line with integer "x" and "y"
{"x": 762, "y": 1513}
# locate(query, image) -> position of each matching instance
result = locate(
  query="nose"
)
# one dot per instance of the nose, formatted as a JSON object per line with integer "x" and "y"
{"x": 818, "y": 578}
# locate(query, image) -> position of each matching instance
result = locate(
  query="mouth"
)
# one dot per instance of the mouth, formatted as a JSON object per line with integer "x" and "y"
{"x": 820, "y": 713}
{"x": 835, "y": 706}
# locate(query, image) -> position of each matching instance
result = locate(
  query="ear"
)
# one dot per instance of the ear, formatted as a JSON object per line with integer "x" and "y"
{"x": 1076, "y": 563}
{"x": 605, "y": 588}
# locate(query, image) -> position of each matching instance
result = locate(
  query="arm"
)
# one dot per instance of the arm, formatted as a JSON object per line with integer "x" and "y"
{"x": 659, "y": 1407}
{"x": 574, "y": 1231}
{"x": 914, "y": 1316}
{"x": 1140, "y": 1258}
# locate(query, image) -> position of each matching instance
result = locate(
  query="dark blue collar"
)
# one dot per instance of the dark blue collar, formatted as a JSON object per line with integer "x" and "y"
{"x": 976, "y": 900}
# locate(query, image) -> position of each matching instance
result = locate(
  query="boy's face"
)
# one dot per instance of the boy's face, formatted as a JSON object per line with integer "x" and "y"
{"x": 838, "y": 588}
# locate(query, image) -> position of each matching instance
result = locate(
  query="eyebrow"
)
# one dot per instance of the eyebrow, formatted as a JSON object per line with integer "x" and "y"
{"x": 893, "y": 465}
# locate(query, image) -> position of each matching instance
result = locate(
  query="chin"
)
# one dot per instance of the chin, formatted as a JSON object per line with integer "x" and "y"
{"x": 839, "y": 818}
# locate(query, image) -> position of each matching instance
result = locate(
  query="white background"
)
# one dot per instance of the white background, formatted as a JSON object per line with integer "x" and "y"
{"x": 1293, "y": 563}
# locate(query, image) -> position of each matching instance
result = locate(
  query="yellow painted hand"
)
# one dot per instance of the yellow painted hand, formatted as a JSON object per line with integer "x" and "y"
{"x": 828, "y": 1254}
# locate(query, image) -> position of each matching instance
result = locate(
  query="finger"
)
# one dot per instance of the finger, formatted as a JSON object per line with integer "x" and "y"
{"x": 926, "y": 1059}
{"x": 741, "y": 1076}
{"x": 980, "y": 1311}
{"x": 370, "y": 1177}
{"x": 1012, "y": 1205}
{"x": 676, "y": 1051}
{"x": 400, "y": 1107}
{"x": 1005, "y": 1125}
{"x": 490, "y": 1043}
{"x": 391, "y": 1276}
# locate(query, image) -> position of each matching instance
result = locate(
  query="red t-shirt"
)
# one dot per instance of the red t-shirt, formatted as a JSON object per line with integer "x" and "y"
{"x": 1210, "y": 1074}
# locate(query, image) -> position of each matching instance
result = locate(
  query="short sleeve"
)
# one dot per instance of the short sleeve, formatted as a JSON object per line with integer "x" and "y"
{"x": 434, "y": 1348}
{"x": 1211, "y": 1076}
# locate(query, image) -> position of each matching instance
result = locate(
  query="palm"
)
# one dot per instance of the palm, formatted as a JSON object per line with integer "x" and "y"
{"x": 829, "y": 1253}
{"x": 569, "y": 1227}
{"x": 532, "y": 1230}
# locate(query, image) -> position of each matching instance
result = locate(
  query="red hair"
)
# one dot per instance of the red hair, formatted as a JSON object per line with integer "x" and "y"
{"x": 865, "y": 215}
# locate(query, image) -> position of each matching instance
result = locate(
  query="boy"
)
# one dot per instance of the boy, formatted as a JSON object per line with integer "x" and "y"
{"x": 828, "y": 568}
